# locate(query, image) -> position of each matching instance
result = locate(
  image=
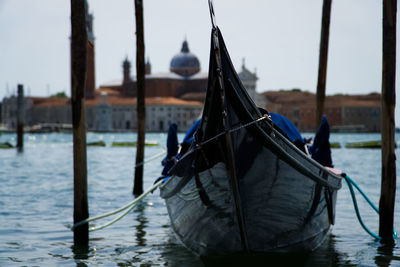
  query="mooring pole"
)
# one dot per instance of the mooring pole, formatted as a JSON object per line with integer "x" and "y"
{"x": 20, "y": 118}
{"x": 323, "y": 61}
{"x": 141, "y": 105}
{"x": 78, "y": 76}
{"x": 388, "y": 103}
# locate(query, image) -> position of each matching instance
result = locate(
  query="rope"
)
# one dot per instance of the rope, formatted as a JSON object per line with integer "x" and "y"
{"x": 151, "y": 158}
{"x": 127, "y": 207}
{"x": 350, "y": 184}
{"x": 235, "y": 129}
{"x": 120, "y": 209}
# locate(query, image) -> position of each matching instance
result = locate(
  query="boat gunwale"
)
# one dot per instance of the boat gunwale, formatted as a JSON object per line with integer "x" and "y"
{"x": 295, "y": 163}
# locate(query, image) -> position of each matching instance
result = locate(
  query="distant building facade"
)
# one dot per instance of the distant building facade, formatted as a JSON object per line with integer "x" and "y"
{"x": 105, "y": 113}
{"x": 345, "y": 113}
{"x": 110, "y": 113}
{"x": 249, "y": 81}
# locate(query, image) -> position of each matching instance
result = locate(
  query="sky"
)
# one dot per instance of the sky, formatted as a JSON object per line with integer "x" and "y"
{"x": 278, "y": 39}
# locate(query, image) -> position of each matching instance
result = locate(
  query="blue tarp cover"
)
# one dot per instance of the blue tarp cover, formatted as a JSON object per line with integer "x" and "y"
{"x": 172, "y": 148}
{"x": 287, "y": 126}
{"x": 321, "y": 149}
{"x": 190, "y": 133}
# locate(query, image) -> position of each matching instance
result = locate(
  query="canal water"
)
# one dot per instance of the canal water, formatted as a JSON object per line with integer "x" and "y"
{"x": 36, "y": 207}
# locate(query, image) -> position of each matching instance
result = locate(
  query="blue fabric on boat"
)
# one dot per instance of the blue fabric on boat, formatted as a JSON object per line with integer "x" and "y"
{"x": 321, "y": 149}
{"x": 172, "y": 148}
{"x": 190, "y": 133}
{"x": 172, "y": 140}
{"x": 287, "y": 126}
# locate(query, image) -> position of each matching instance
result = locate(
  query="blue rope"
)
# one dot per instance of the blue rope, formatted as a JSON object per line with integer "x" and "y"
{"x": 350, "y": 184}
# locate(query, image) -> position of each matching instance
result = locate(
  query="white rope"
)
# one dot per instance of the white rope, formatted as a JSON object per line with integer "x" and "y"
{"x": 151, "y": 158}
{"x": 127, "y": 207}
{"x": 236, "y": 129}
{"x": 137, "y": 200}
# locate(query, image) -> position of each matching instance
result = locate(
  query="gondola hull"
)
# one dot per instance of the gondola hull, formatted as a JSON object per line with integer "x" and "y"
{"x": 284, "y": 210}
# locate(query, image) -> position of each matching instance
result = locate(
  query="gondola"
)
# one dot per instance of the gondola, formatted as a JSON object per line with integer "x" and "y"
{"x": 243, "y": 185}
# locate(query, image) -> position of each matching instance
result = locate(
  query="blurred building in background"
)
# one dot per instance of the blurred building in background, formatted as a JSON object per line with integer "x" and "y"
{"x": 345, "y": 113}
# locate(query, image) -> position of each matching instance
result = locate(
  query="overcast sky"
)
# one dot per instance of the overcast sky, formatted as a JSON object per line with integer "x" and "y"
{"x": 280, "y": 39}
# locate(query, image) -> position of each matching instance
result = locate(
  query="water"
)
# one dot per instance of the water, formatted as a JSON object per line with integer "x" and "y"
{"x": 36, "y": 206}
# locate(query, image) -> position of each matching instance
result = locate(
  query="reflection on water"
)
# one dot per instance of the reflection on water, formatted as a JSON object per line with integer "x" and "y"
{"x": 325, "y": 255}
{"x": 175, "y": 254}
{"x": 81, "y": 253}
{"x": 141, "y": 225}
{"x": 328, "y": 255}
{"x": 384, "y": 255}
{"x": 262, "y": 259}
{"x": 167, "y": 251}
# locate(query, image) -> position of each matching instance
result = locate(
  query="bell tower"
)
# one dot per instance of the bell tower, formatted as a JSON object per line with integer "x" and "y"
{"x": 148, "y": 67}
{"x": 126, "y": 67}
{"x": 90, "y": 63}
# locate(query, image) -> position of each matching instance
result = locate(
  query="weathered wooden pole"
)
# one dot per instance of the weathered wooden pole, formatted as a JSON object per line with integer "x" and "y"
{"x": 141, "y": 105}
{"x": 388, "y": 103}
{"x": 323, "y": 61}
{"x": 78, "y": 76}
{"x": 20, "y": 117}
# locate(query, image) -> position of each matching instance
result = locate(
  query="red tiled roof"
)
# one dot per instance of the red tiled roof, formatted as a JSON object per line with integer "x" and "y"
{"x": 113, "y": 100}
{"x": 49, "y": 101}
{"x": 307, "y": 98}
{"x": 120, "y": 101}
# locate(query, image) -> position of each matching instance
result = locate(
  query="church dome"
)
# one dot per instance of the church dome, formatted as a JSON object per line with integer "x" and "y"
{"x": 185, "y": 63}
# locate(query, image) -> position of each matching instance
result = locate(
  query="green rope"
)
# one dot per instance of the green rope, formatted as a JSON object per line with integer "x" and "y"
{"x": 350, "y": 184}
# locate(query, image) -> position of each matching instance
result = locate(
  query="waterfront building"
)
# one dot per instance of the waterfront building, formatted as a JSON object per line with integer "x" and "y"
{"x": 104, "y": 113}
{"x": 345, "y": 113}
{"x": 249, "y": 80}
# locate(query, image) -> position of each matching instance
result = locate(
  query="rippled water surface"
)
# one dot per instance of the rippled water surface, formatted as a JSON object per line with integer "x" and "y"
{"x": 36, "y": 206}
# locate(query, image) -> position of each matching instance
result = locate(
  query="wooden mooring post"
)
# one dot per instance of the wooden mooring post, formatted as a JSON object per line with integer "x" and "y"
{"x": 388, "y": 103}
{"x": 20, "y": 118}
{"x": 140, "y": 104}
{"x": 323, "y": 61}
{"x": 78, "y": 76}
